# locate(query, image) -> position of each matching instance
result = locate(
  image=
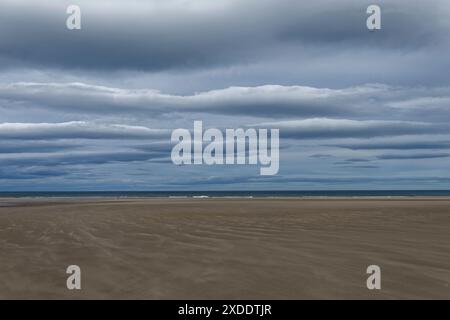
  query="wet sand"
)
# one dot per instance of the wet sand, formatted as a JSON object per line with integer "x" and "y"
{"x": 225, "y": 249}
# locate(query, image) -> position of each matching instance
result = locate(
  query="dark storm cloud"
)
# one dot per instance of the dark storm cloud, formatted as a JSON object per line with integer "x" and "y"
{"x": 161, "y": 35}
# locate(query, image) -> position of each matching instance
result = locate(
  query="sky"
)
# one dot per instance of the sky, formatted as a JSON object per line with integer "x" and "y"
{"x": 93, "y": 109}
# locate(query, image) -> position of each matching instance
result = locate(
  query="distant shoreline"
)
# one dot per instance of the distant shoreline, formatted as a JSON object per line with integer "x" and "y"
{"x": 344, "y": 194}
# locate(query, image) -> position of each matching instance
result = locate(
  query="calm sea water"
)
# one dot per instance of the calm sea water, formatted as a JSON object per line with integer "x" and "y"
{"x": 214, "y": 194}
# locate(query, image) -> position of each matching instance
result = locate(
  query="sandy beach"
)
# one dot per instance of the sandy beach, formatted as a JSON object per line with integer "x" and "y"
{"x": 225, "y": 248}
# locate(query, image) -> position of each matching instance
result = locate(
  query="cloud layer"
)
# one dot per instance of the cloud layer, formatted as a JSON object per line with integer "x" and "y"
{"x": 275, "y": 101}
{"x": 93, "y": 109}
{"x": 160, "y": 35}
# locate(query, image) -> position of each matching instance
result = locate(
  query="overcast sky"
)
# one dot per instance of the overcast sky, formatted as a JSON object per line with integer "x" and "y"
{"x": 93, "y": 109}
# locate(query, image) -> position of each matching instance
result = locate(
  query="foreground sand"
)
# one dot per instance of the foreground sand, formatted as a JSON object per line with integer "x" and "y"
{"x": 225, "y": 249}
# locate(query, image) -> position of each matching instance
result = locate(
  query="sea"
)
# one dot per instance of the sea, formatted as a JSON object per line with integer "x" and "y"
{"x": 228, "y": 194}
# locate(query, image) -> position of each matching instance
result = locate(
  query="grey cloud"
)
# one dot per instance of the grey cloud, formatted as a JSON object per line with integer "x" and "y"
{"x": 77, "y": 130}
{"x": 160, "y": 35}
{"x": 360, "y": 167}
{"x": 147, "y": 64}
{"x": 12, "y": 173}
{"x": 413, "y": 156}
{"x": 332, "y": 180}
{"x": 339, "y": 128}
{"x": 365, "y": 101}
{"x": 394, "y": 145}
{"x": 357, "y": 160}
{"x": 263, "y": 100}
{"x": 155, "y": 147}
{"x": 35, "y": 147}
{"x": 79, "y": 158}
{"x": 321, "y": 156}
{"x": 347, "y": 162}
